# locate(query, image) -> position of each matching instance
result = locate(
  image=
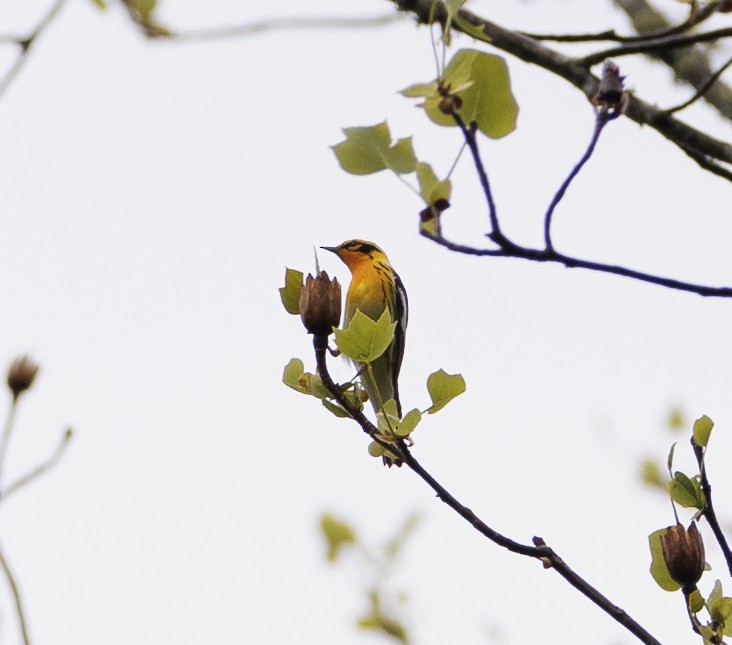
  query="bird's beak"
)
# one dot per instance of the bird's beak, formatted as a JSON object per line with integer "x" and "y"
{"x": 332, "y": 249}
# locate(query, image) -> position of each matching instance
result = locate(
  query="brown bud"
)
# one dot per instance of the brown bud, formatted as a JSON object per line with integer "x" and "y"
{"x": 320, "y": 304}
{"x": 448, "y": 104}
{"x": 683, "y": 552}
{"x": 21, "y": 375}
{"x": 611, "y": 92}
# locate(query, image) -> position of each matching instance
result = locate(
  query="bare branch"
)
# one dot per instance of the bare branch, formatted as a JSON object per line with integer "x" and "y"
{"x": 19, "y": 609}
{"x": 709, "y": 512}
{"x": 26, "y": 44}
{"x": 534, "y": 52}
{"x": 275, "y": 24}
{"x": 655, "y": 45}
{"x": 539, "y": 550}
{"x": 702, "y": 90}
{"x": 38, "y": 470}
{"x": 695, "y": 18}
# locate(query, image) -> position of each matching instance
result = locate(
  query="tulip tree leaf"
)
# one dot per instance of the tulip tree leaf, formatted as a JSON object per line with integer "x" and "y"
{"x": 659, "y": 570}
{"x": 365, "y": 339}
{"x": 721, "y": 610}
{"x": 686, "y": 492}
{"x": 452, "y": 7}
{"x": 366, "y": 150}
{"x": 702, "y": 431}
{"x": 298, "y": 379}
{"x": 696, "y": 601}
{"x": 290, "y": 293}
{"x": 409, "y": 423}
{"x": 337, "y": 534}
{"x": 388, "y": 418}
{"x": 443, "y": 388}
{"x": 482, "y": 82}
{"x": 430, "y": 187}
{"x": 336, "y": 409}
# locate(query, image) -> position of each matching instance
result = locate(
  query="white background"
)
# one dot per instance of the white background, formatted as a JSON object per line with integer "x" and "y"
{"x": 151, "y": 195}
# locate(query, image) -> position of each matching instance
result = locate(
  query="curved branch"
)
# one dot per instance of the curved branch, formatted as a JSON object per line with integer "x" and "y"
{"x": 275, "y": 24}
{"x": 570, "y": 69}
{"x": 15, "y": 590}
{"x": 539, "y": 550}
{"x": 709, "y": 512}
{"x": 26, "y": 44}
{"x": 655, "y": 45}
{"x": 570, "y": 262}
{"x": 695, "y": 18}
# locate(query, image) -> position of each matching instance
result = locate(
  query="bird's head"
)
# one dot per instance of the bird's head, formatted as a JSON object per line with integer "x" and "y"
{"x": 355, "y": 252}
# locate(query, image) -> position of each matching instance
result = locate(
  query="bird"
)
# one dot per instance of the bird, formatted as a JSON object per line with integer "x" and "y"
{"x": 376, "y": 286}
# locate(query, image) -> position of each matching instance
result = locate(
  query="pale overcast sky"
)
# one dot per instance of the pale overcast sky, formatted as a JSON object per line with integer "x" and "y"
{"x": 152, "y": 195}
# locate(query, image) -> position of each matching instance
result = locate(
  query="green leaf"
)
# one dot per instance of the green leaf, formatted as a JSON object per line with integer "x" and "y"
{"x": 686, "y": 492}
{"x": 651, "y": 474}
{"x": 721, "y": 610}
{"x": 290, "y": 293}
{"x": 474, "y": 31}
{"x": 368, "y": 149}
{"x": 409, "y": 423}
{"x": 482, "y": 82}
{"x": 394, "y": 546}
{"x": 436, "y": 195}
{"x": 100, "y": 3}
{"x": 145, "y": 8}
{"x": 676, "y": 420}
{"x": 365, "y": 340}
{"x": 659, "y": 570}
{"x": 443, "y": 388}
{"x": 298, "y": 379}
{"x": 696, "y": 601}
{"x": 452, "y": 7}
{"x": 376, "y": 620}
{"x": 376, "y": 449}
{"x": 716, "y": 593}
{"x": 387, "y": 418}
{"x": 670, "y": 459}
{"x": 702, "y": 431}
{"x": 293, "y": 374}
{"x": 430, "y": 187}
{"x": 337, "y": 535}
{"x": 336, "y": 409}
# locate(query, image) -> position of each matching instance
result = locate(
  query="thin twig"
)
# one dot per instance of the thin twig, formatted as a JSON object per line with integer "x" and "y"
{"x": 16, "y": 597}
{"x": 695, "y": 18}
{"x": 549, "y": 255}
{"x": 275, "y": 24}
{"x": 603, "y": 117}
{"x": 534, "y": 52}
{"x": 469, "y": 135}
{"x": 654, "y": 45}
{"x": 7, "y": 431}
{"x": 538, "y": 550}
{"x": 709, "y": 512}
{"x": 26, "y": 44}
{"x": 702, "y": 90}
{"x": 38, "y": 470}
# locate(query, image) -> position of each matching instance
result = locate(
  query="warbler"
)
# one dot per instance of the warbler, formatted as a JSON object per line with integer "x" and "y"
{"x": 375, "y": 286}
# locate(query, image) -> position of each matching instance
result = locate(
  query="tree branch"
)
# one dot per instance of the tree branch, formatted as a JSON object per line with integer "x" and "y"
{"x": 26, "y": 44}
{"x": 275, "y": 24}
{"x": 690, "y": 65}
{"x": 14, "y": 589}
{"x": 709, "y": 512}
{"x": 695, "y": 18}
{"x": 38, "y": 470}
{"x": 573, "y": 71}
{"x": 539, "y": 550}
{"x": 655, "y": 45}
